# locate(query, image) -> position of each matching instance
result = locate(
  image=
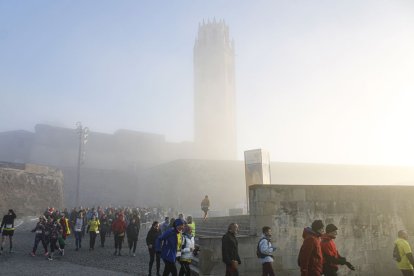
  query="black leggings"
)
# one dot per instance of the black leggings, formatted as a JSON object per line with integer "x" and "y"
{"x": 103, "y": 235}
{"x": 132, "y": 243}
{"x": 39, "y": 238}
{"x": 153, "y": 256}
{"x": 92, "y": 236}
{"x": 185, "y": 269}
{"x": 118, "y": 241}
{"x": 169, "y": 268}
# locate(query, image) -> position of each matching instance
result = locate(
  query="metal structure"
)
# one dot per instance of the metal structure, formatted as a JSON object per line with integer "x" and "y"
{"x": 83, "y": 133}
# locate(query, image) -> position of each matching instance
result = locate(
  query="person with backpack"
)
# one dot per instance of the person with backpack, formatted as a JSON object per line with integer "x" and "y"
{"x": 264, "y": 251}
{"x": 310, "y": 257}
{"x": 403, "y": 254}
{"x": 331, "y": 257}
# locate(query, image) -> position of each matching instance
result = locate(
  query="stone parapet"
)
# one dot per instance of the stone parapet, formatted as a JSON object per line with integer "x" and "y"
{"x": 368, "y": 218}
{"x": 30, "y": 190}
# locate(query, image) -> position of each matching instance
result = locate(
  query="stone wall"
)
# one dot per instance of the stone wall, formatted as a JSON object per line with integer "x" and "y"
{"x": 368, "y": 218}
{"x": 29, "y": 188}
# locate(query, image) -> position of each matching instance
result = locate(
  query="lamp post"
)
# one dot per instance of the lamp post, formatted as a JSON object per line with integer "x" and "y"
{"x": 83, "y": 133}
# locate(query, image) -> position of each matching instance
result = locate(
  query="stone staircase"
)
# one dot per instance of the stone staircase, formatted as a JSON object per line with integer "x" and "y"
{"x": 217, "y": 226}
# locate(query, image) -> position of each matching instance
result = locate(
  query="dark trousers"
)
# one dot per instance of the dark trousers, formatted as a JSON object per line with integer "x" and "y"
{"x": 118, "y": 241}
{"x": 169, "y": 268}
{"x": 78, "y": 237}
{"x": 103, "y": 236}
{"x": 132, "y": 243}
{"x": 407, "y": 272}
{"x": 329, "y": 271}
{"x": 92, "y": 236}
{"x": 185, "y": 269}
{"x": 39, "y": 238}
{"x": 154, "y": 255}
{"x": 53, "y": 244}
{"x": 231, "y": 271}
{"x": 267, "y": 269}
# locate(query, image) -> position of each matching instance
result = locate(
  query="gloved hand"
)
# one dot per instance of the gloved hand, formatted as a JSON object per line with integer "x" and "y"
{"x": 350, "y": 266}
{"x": 341, "y": 260}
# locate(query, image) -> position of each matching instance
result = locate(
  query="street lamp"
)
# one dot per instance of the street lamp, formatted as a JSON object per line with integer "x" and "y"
{"x": 83, "y": 133}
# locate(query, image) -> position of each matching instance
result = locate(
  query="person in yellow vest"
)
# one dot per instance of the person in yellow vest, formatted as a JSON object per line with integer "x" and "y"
{"x": 191, "y": 223}
{"x": 405, "y": 265}
{"x": 93, "y": 228}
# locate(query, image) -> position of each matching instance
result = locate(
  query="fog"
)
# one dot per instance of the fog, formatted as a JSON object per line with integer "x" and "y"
{"x": 318, "y": 82}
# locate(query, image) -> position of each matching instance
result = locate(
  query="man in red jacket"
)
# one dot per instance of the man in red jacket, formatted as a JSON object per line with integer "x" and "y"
{"x": 310, "y": 255}
{"x": 331, "y": 257}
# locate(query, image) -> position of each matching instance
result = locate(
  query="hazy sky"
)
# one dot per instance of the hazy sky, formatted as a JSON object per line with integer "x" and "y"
{"x": 317, "y": 81}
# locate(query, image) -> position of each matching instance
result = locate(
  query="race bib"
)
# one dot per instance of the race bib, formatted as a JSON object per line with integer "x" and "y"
{"x": 38, "y": 231}
{"x": 97, "y": 231}
{"x": 178, "y": 254}
{"x": 9, "y": 226}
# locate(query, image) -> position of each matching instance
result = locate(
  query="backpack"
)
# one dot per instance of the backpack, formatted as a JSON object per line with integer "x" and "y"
{"x": 396, "y": 254}
{"x": 259, "y": 254}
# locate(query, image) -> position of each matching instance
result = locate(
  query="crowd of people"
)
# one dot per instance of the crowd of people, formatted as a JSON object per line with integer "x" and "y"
{"x": 173, "y": 241}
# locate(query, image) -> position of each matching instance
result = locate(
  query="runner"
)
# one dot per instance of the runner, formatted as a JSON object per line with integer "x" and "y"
{"x": 7, "y": 224}
{"x": 40, "y": 236}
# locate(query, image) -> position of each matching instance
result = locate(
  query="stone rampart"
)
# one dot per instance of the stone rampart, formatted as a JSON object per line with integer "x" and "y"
{"x": 29, "y": 188}
{"x": 368, "y": 218}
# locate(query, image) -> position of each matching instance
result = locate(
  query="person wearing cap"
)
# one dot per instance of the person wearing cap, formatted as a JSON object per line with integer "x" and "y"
{"x": 331, "y": 257}
{"x": 169, "y": 244}
{"x": 310, "y": 257}
{"x": 7, "y": 224}
{"x": 406, "y": 263}
{"x": 230, "y": 250}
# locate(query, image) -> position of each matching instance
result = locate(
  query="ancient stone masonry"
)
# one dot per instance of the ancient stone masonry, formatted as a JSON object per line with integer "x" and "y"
{"x": 368, "y": 218}
{"x": 29, "y": 188}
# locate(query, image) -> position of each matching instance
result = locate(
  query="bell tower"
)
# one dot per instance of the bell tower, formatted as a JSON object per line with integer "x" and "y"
{"x": 214, "y": 92}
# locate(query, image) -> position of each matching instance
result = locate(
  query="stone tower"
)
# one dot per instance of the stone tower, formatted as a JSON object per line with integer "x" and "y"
{"x": 214, "y": 92}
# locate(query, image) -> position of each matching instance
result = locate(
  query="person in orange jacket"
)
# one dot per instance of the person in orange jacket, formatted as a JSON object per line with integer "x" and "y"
{"x": 310, "y": 257}
{"x": 331, "y": 257}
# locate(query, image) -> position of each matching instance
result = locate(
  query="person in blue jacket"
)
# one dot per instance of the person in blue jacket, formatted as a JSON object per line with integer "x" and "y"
{"x": 169, "y": 244}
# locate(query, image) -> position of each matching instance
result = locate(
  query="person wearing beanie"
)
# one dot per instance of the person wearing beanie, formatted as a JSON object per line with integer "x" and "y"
{"x": 310, "y": 257}
{"x": 331, "y": 257}
{"x": 169, "y": 245}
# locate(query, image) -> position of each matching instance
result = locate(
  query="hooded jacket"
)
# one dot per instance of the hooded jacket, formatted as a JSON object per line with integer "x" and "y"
{"x": 331, "y": 257}
{"x": 310, "y": 254}
{"x": 167, "y": 244}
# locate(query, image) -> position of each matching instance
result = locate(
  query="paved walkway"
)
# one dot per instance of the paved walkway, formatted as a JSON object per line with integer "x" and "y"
{"x": 83, "y": 262}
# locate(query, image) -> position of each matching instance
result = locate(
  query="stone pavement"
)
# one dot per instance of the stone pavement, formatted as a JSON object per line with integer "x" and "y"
{"x": 82, "y": 262}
